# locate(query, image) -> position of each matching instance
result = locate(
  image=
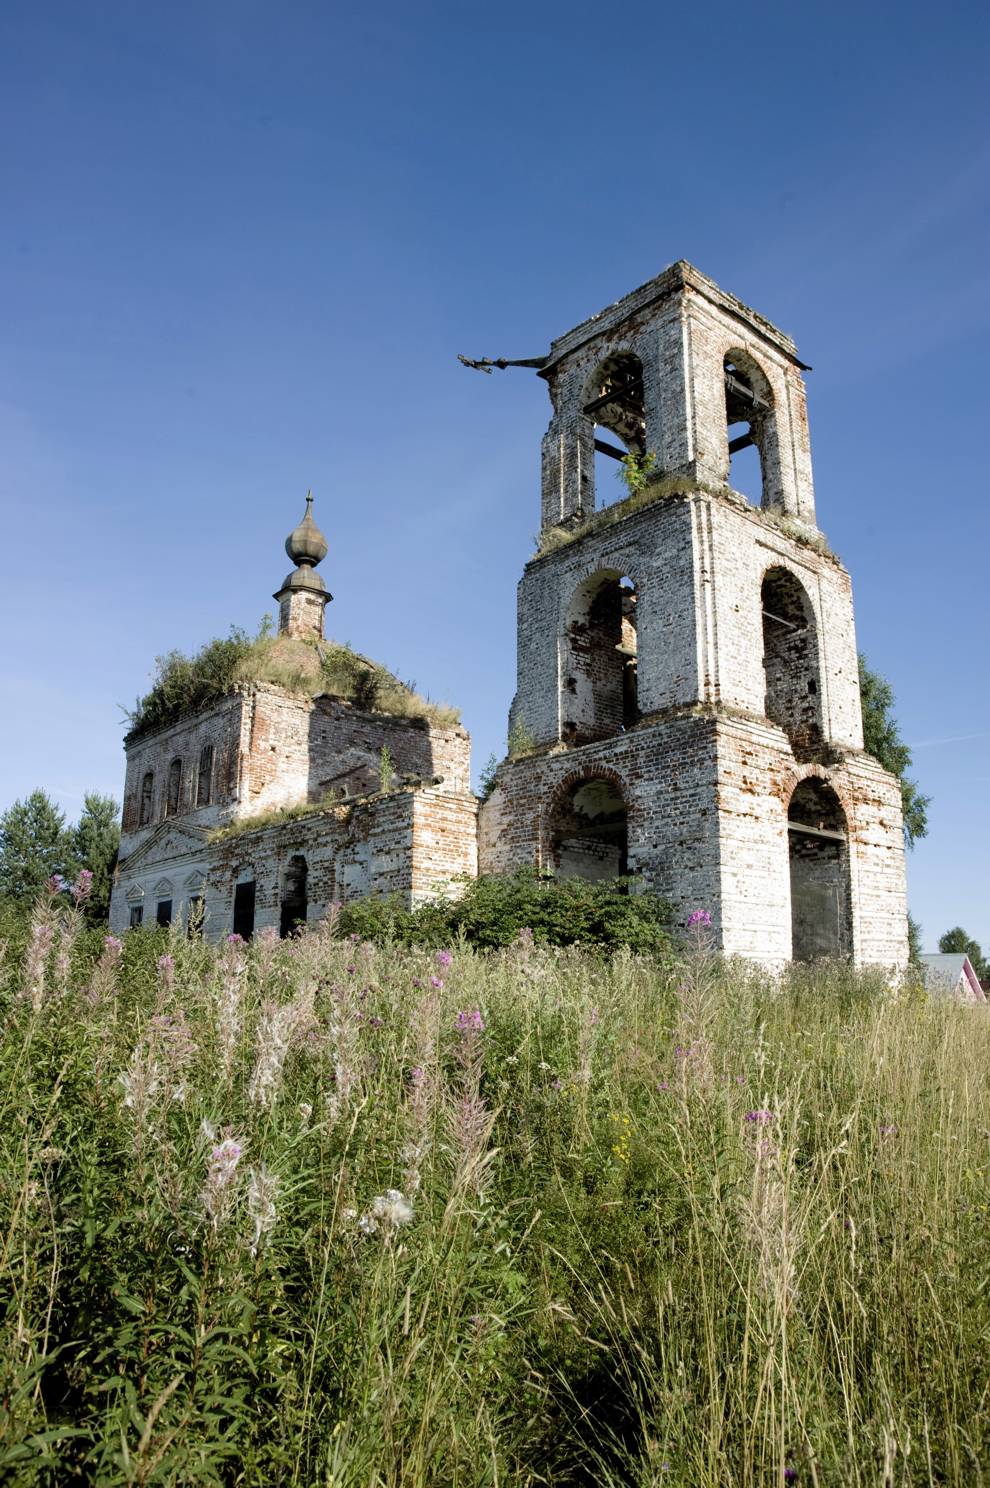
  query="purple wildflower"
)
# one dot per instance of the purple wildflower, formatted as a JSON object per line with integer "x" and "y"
{"x": 700, "y": 917}
{"x": 759, "y": 1118}
{"x": 235, "y": 940}
{"x": 112, "y": 945}
{"x": 436, "y": 982}
{"x": 83, "y": 886}
{"x": 471, "y": 1022}
{"x": 444, "y": 959}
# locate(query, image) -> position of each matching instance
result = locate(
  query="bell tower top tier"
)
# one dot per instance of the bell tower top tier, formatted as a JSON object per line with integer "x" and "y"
{"x": 683, "y": 372}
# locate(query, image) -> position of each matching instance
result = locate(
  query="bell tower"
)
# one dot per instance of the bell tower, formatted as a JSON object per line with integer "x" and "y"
{"x": 687, "y": 706}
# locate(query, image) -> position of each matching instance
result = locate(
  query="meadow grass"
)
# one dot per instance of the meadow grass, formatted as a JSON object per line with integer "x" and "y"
{"x": 323, "y": 1212}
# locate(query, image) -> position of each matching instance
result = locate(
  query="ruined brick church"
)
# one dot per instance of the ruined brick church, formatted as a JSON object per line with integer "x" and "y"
{"x": 687, "y": 707}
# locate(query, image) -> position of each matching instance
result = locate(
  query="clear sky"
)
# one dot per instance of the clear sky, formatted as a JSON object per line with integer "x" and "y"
{"x": 242, "y": 243}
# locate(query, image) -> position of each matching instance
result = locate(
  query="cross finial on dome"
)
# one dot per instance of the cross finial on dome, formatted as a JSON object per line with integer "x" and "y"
{"x": 303, "y": 595}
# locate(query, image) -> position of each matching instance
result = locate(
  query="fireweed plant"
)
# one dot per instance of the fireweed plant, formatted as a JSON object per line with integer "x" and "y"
{"x": 322, "y": 1212}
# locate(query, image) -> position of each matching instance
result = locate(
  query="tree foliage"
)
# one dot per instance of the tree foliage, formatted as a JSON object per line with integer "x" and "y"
{"x": 882, "y": 739}
{"x": 34, "y": 844}
{"x": 495, "y": 908}
{"x": 96, "y": 839}
{"x": 957, "y": 942}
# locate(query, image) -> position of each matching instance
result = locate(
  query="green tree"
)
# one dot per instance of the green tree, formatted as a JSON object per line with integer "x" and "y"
{"x": 96, "y": 839}
{"x": 956, "y": 941}
{"x": 34, "y": 844}
{"x": 882, "y": 739}
{"x": 914, "y": 941}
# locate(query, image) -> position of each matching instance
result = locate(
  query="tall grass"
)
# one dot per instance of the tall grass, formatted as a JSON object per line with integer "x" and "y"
{"x": 324, "y": 1213}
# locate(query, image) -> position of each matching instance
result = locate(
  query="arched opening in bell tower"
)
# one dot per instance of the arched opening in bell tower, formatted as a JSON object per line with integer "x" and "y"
{"x": 588, "y": 831}
{"x": 790, "y": 660}
{"x": 613, "y": 400}
{"x": 818, "y": 845}
{"x": 748, "y": 407}
{"x": 599, "y": 676}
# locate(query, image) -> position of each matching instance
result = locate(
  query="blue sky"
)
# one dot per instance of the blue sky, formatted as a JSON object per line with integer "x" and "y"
{"x": 242, "y": 244}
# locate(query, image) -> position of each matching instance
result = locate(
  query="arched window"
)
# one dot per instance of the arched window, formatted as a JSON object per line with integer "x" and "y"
{"x": 748, "y": 411}
{"x": 790, "y": 660}
{"x": 294, "y": 895}
{"x": 821, "y": 921}
{"x": 204, "y": 784}
{"x": 174, "y": 792}
{"x": 147, "y": 796}
{"x": 613, "y": 400}
{"x": 588, "y": 831}
{"x": 599, "y": 679}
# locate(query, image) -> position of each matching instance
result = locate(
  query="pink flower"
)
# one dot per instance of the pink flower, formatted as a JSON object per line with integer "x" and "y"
{"x": 700, "y": 917}
{"x": 471, "y": 1022}
{"x": 112, "y": 945}
{"x": 444, "y": 958}
{"x": 436, "y": 981}
{"x": 759, "y": 1118}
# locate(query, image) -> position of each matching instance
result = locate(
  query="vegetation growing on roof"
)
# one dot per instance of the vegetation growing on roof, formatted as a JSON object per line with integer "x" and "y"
{"x": 183, "y": 683}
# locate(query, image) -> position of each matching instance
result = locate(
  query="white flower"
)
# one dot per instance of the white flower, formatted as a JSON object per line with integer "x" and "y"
{"x": 392, "y": 1208}
{"x": 262, "y": 1188}
{"x": 305, "y": 1110}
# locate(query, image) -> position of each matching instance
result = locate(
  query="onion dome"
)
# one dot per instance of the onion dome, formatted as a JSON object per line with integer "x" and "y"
{"x": 306, "y": 544}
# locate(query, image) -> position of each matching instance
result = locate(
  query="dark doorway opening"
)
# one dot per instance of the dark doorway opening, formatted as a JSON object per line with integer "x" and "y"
{"x": 244, "y": 894}
{"x": 821, "y": 921}
{"x": 163, "y": 912}
{"x": 589, "y": 833}
{"x": 294, "y": 896}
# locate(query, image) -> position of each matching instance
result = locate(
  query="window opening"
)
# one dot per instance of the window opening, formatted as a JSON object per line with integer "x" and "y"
{"x": 614, "y": 400}
{"x": 600, "y": 680}
{"x": 746, "y": 408}
{"x": 174, "y": 788}
{"x": 790, "y": 661}
{"x": 137, "y": 915}
{"x": 204, "y": 785}
{"x": 588, "y": 832}
{"x": 147, "y": 791}
{"x": 163, "y": 912}
{"x": 244, "y": 894}
{"x": 294, "y": 896}
{"x": 818, "y": 848}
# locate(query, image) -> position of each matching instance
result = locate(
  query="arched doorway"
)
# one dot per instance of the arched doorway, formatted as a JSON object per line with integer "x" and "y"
{"x": 818, "y": 844}
{"x": 295, "y": 903}
{"x": 588, "y": 831}
{"x": 599, "y": 677}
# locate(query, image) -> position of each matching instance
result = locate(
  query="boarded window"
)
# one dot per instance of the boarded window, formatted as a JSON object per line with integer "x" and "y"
{"x": 163, "y": 912}
{"x": 204, "y": 786}
{"x": 294, "y": 896}
{"x": 137, "y": 915}
{"x": 244, "y": 909}
{"x": 174, "y": 792}
{"x": 147, "y": 792}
